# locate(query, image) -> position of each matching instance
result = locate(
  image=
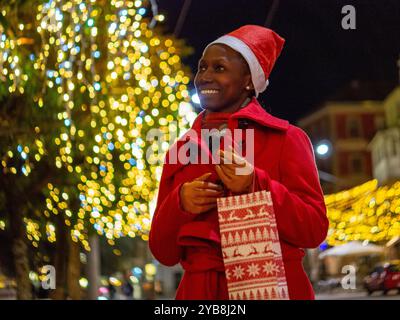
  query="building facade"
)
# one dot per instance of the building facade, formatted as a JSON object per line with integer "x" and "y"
{"x": 385, "y": 146}
{"x": 345, "y": 128}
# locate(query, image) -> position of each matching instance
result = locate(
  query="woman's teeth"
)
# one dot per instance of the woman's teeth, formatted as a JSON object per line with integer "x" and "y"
{"x": 208, "y": 91}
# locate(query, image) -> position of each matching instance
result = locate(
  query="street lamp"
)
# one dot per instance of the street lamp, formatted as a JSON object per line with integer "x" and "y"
{"x": 324, "y": 149}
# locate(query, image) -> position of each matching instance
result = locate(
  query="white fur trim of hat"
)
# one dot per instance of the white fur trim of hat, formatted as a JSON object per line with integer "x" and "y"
{"x": 257, "y": 73}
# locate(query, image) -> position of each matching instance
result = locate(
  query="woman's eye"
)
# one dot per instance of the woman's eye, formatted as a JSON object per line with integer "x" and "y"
{"x": 220, "y": 68}
{"x": 202, "y": 68}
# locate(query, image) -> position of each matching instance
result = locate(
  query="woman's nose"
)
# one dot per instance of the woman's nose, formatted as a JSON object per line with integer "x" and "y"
{"x": 206, "y": 76}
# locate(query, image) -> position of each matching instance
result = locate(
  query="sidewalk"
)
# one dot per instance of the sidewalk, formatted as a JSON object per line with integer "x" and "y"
{"x": 356, "y": 295}
{"x": 8, "y": 294}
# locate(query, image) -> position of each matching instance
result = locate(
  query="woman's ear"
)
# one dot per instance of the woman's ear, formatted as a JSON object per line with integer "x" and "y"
{"x": 250, "y": 89}
{"x": 249, "y": 83}
{"x": 249, "y": 86}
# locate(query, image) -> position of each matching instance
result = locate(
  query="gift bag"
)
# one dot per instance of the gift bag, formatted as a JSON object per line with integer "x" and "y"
{"x": 250, "y": 246}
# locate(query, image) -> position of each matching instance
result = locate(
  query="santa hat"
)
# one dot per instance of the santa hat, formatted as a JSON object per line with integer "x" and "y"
{"x": 259, "y": 46}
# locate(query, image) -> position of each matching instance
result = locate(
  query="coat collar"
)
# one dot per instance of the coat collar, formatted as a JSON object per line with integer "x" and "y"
{"x": 252, "y": 111}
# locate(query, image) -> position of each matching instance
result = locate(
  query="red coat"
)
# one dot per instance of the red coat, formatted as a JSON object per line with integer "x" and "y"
{"x": 284, "y": 165}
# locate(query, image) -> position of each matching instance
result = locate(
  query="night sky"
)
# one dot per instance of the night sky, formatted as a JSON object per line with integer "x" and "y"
{"x": 319, "y": 58}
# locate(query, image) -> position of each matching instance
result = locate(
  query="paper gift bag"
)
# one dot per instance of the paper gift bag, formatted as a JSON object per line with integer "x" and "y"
{"x": 250, "y": 246}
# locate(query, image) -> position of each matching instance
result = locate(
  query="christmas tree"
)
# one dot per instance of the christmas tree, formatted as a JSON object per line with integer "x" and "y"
{"x": 84, "y": 84}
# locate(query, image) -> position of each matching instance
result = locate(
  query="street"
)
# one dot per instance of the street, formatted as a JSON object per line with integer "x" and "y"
{"x": 357, "y": 295}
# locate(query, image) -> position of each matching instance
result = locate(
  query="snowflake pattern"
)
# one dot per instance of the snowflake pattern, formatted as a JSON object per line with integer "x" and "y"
{"x": 228, "y": 274}
{"x": 238, "y": 272}
{"x": 270, "y": 268}
{"x": 253, "y": 270}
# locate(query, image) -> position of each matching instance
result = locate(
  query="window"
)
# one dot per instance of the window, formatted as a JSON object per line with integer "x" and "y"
{"x": 353, "y": 128}
{"x": 356, "y": 164}
{"x": 380, "y": 123}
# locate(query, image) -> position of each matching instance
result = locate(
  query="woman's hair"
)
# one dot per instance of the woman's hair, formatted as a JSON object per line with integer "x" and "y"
{"x": 252, "y": 93}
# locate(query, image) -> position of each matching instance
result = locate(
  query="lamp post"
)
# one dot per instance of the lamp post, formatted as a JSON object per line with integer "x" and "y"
{"x": 323, "y": 151}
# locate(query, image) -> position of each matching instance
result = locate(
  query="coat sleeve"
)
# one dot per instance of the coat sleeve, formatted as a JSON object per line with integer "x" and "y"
{"x": 167, "y": 220}
{"x": 297, "y": 198}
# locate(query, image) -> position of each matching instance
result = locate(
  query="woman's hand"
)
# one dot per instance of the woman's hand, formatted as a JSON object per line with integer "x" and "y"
{"x": 236, "y": 172}
{"x": 200, "y": 196}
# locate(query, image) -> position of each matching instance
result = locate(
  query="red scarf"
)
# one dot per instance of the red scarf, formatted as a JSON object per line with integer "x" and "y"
{"x": 215, "y": 120}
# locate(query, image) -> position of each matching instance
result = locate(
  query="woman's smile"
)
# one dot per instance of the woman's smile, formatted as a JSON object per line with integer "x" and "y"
{"x": 209, "y": 92}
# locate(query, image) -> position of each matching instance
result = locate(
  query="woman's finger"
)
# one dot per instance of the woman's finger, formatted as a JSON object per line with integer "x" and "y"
{"x": 228, "y": 167}
{"x": 225, "y": 157}
{"x": 209, "y": 192}
{"x": 224, "y": 177}
{"x": 203, "y": 177}
{"x": 229, "y": 170}
{"x": 228, "y": 164}
{"x": 206, "y": 185}
{"x": 202, "y": 201}
{"x": 232, "y": 159}
{"x": 237, "y": 159}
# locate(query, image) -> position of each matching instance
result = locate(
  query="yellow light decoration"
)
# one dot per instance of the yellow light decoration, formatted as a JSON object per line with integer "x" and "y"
{"x": 130, "y": 79}
{"x": 366, "y": 212}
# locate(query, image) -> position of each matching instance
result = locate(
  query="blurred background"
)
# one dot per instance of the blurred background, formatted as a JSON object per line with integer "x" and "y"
{"x": 82, "y": 83}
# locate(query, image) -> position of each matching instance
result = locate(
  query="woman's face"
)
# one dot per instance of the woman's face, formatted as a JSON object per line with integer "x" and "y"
{"x": 222, "y": 78}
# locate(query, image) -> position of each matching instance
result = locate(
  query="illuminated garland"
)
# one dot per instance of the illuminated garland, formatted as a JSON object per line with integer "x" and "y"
{"x": 116, "y": 79}
{"x": 366, "y": 213}
{"x": 10, "y": 61}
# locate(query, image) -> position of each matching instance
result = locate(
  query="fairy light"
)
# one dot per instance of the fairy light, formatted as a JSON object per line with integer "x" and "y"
{"x": 11, "y": 70}
{"x": 115, "y": 78}
{"x": 366, "y": 212}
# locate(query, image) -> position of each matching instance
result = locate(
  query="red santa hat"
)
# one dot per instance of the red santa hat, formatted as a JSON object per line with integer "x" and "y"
{"x": 259, "y": 46}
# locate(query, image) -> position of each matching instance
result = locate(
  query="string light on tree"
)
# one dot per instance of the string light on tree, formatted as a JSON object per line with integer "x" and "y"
{"x": 110, "y": 78}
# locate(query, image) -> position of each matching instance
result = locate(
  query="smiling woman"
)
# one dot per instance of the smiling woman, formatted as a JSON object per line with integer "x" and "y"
{"x": 233, "y": 70}
{"x": 223, "y": 80}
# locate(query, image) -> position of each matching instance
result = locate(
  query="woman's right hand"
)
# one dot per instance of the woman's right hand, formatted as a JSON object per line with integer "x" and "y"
{"x": 200, "y": 196}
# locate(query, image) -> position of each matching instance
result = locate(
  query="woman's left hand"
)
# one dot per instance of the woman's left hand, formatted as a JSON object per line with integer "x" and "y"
{"x": 236, "y": 172}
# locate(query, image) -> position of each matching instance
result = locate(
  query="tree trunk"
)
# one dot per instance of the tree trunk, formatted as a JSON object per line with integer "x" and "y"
{"x": 20, "y": 253}
{"x": 24, "y": 286}
{"x": 73, "y": 270}
{"x": 314, "y": 265}
{"x": 93, "y": 267}
{"x": 60, "y": 260}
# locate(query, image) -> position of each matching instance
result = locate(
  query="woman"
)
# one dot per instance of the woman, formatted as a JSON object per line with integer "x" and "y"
{"x": 233, "y": 70}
